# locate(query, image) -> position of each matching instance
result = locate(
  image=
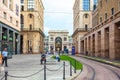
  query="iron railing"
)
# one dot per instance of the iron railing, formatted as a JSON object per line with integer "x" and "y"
{"x": 33, "y": 29}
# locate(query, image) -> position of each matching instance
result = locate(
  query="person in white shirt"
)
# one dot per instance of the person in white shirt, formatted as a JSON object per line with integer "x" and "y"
{"x": 4, "y": 57}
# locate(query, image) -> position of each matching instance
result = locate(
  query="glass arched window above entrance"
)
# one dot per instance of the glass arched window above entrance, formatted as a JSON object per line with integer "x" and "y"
{"x": 58, "y": 44}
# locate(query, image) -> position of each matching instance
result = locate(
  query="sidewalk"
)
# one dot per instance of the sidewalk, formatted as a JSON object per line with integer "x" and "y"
{"x": 115, "y": 63}
{"x": 25, "y": 65}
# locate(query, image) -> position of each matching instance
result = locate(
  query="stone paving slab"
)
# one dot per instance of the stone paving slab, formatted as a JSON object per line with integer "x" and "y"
{"x": 24, "y": 65}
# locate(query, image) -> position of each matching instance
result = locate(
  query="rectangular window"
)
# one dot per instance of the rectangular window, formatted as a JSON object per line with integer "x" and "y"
{"x": 11, "y": 19}
{"x": 17, "y": 10}
{"x": 105, "y": 15}
{"x": 86, "y": 5}
{"x": 5, "y": 15}
{"x": 31, "y": 5}
{"x": 4, "y": 2}
{"x": 10, "y": 4}
{"x": 101, "y": 4}
{"x": 86, "y": 27}
{"x": 22, "y": 1}
{"x": 112, "y": 11}
{"x": 22, "y": 8}
{"x": 100, "y": 19}
{"x": 16, "y": 23}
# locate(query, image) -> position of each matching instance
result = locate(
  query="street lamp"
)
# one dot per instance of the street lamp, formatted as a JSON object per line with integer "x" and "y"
{"x": 17, "y": 40}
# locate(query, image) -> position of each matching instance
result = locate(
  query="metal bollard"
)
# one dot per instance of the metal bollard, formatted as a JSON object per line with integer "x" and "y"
{"x": 70, "y": 68}
{"x": 75, "y": 67}
{"x": 44, "y": 70}
{"x": 63, "y": 70}
{"x": 6, "y": 74}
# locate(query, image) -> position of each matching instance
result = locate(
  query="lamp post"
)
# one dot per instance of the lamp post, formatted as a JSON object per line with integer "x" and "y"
{"x": 16, "y": 42}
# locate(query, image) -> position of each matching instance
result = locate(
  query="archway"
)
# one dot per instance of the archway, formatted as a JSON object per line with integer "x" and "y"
{"x": 58, "y": 44}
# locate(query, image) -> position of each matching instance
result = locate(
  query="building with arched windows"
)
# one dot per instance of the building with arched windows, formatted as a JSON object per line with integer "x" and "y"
{"x": 32, "y": 24}
{"x": 59, "y": 40}
{"x": 82, "y": 20}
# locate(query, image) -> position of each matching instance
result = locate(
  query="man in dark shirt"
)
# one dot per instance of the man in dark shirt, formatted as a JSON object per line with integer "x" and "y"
{"x": 43, "y": 58}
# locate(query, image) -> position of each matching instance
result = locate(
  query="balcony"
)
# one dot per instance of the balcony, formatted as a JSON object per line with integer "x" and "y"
{"x": 81, "y": 30}
{"x": 32, "y": 30}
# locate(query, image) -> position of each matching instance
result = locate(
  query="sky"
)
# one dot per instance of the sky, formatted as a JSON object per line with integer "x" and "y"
{"x": 58, "y": 15}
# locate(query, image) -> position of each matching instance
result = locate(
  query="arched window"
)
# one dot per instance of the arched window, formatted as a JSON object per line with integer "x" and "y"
{"x": 86, "y": 15}
{"x": 30, "y": 15}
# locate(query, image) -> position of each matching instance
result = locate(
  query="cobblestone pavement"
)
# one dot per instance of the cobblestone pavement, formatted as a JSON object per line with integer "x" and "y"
{"x": 25, "y": 65}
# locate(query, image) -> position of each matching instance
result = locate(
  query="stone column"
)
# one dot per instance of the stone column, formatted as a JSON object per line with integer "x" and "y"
{"x": 79, "y": 45}
{"x": 88, "y": 44}
{"x": 25, "y": 44}
{"x": 102, "y": 43}
{"x": 84, "y": 45}
{"x": 96, "y": 44}
{"x": 112, "y": 42}
{"x": 91, "y": 43}
{"x": 117, "y": 41}
{"x": 13, "y": 42}
{"x": 18, "y": 44}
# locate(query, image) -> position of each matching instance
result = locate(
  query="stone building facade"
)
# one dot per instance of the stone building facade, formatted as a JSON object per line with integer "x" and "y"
{"x": 32, "y": 24}
{"x": 10, "y": 25}
{"x": 58, "y": 40}
{"x": 82, "y": 20}
{"x": 103, "y": 40}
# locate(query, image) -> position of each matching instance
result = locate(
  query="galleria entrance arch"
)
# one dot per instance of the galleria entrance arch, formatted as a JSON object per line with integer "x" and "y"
{"x": 58, "y": 44}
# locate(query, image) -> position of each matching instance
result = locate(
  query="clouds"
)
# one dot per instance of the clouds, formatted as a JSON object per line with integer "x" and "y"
{"x": 58, "y": 14}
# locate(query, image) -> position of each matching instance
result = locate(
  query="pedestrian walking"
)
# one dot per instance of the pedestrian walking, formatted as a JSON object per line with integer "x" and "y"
{"x": 58, "y": 57}
{"x": 4, "y": 57}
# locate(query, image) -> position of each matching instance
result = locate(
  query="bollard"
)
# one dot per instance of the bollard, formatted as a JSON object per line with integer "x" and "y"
{"x": 6, "y": 74}
{"x": 44, "y": 70}
{"x": 70, "y": 68}
{"x": 63, "y": 70}
{"x": 75, "y": 67}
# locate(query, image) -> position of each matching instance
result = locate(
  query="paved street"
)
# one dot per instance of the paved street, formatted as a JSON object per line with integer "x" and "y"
{"x": 25, "y": 65}
{"x": 97, "y": 71}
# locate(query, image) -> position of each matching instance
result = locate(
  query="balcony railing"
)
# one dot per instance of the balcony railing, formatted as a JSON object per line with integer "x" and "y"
{"x": 81, "y": 30}
{"x": 33, "y": 29}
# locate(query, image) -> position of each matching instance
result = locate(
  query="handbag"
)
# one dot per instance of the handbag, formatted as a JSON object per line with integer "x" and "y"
{"x": 1, "y": 58}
